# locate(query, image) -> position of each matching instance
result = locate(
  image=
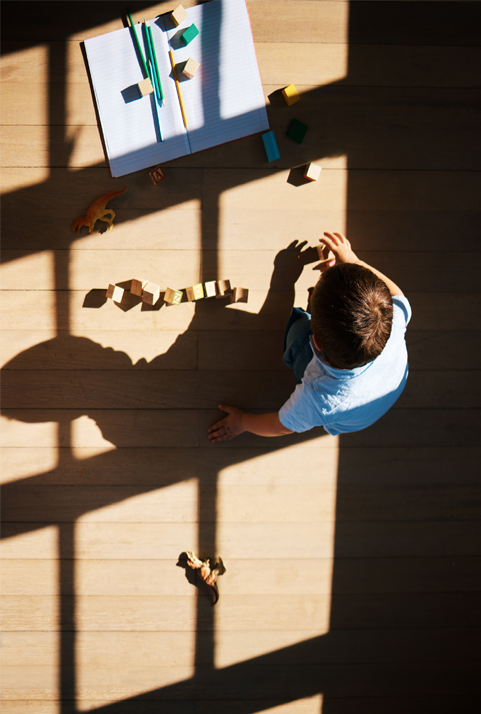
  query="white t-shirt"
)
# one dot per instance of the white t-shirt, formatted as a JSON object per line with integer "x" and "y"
{"x": 343, "y": 400}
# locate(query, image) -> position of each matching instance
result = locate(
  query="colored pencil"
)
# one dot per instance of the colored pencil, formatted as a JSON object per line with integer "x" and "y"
{"x": 140, "y": 55}
{"x": 177, "y": 84}
{"x": 156, "y": 66}
{"x": 150, "y": 61}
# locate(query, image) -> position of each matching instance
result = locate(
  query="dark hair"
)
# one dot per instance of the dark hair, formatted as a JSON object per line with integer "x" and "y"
{"x": 351, "y": 315}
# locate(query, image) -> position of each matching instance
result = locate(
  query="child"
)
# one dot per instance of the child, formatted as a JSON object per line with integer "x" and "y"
{"x": 349, "y": 356}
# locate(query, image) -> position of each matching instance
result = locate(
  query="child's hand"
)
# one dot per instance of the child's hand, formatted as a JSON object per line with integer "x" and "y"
{"x": 341, "y": 248}
{"x": 229, "y": 426}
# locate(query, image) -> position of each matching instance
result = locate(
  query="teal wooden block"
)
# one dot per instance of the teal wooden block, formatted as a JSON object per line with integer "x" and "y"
{"x": 189, "y": 34}
{"x": 297, "y": 131}
{"x": 270, "y": 145}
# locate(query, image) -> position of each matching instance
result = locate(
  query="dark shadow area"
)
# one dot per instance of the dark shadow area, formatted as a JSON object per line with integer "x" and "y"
{"x": 176, "y": 42}
{"x": 131, "y": 94}
{"x": 405, "y": 618}
{"x": 297, "y": 178}
{"x": 95, "y": 298}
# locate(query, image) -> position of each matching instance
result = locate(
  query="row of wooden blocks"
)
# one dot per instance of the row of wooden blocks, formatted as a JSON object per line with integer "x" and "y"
{"x": 150, "y": 292}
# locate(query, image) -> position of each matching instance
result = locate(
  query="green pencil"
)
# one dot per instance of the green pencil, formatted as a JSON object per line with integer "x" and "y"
{"x": 148, "y": 56}
{"x": 143, "y": 64}
{"x": 154, "y": 57}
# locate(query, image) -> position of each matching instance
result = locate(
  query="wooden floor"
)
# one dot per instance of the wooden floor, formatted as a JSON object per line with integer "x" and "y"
{"x": 353, "y": 563}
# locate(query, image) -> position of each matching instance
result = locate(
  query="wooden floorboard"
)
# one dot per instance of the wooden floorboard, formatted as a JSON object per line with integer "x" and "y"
{"x": 353, "y": 562}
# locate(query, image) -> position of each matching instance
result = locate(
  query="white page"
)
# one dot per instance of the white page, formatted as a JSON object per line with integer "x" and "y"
{"x": 128, "y": 127}
{"x": 224, "y": 101}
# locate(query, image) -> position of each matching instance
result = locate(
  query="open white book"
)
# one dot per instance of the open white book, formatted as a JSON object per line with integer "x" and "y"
{"x": 224, "y": 100}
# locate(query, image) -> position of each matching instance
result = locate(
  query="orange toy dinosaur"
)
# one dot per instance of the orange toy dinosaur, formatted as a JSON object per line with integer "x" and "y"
{"x": 208, "y": 574}
{"x": 98, "y": 212}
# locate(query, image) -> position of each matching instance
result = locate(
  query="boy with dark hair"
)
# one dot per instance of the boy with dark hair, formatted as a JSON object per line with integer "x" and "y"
{"x": 349, "y": 355}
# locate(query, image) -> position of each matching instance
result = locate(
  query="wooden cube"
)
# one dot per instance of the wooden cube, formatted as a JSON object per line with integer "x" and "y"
{"x": 196, "y": 292}
{"x": 145, "y": 87}
{"x": 290, "y": 95}
{"x": 312, "y": 172}
{"x": 189, "y": 34}
{"x": 190, "y": 68}
{"x": 239, "y": 295}
{"x": 136, "y": 287}
{"x": 178, "y": 15}
{"x": 173, "y": 297}
{"x": 223, "y": 288}
{"x": 115, "y": 293}
{"x": 209, "y": 288}
{"x": 157, "y": 175}
{"x": 297, "y": 131}
{"x": 150, "y": 293}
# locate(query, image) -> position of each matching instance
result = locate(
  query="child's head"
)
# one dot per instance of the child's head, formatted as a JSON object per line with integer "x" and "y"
{"x": 351, "y": 315}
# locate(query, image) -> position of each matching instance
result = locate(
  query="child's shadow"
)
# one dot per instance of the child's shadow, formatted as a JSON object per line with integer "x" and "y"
{"x": 73, "y": 376}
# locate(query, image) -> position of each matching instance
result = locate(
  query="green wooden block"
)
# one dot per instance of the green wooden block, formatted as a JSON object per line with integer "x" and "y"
{"x": 177, "y": 297}
{"x": 189, "y": 34}
{"x": 297, "y": 131}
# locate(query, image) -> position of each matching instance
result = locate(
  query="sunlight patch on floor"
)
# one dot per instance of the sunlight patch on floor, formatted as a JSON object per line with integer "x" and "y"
{"x": 176, "y": 503}
{"x": 17, "y": 463}
{"x": 29, "y": 272}
{"x": 41, "y": 543}
{"x": 87, "y": 435}
{"x": 309, "y": 705}
{"x": 276, "y": 526}
{"x": 15, "y": 433}
{"x": 16, "y": 68}
{"x": 312, "y": 64}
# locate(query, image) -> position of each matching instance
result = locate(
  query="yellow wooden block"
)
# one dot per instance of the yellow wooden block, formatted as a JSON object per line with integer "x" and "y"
{"x": 290, "y": 95}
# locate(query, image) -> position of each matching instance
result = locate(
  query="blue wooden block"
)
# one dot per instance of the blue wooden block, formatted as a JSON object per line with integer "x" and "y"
{"x": 189, "y": 34}
{"x": 270, "y": 145}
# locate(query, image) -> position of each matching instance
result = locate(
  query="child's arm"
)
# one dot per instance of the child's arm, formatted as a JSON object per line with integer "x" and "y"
{"x": 341, "y": 248}
{"x": 237, "y": 421}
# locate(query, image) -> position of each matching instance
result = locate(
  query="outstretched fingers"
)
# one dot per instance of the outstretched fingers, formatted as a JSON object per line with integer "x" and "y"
{"x": 228, "y": 427}
{"x": 219, "y": 431}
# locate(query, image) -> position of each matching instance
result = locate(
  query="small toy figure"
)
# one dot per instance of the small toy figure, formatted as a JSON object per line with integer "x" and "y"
{"x": 98, "y": 212}
{"x": 208, "y": 574}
